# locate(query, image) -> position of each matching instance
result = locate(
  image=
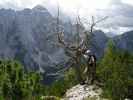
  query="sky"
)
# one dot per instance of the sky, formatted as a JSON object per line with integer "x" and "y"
{"x": 119, "y": 12}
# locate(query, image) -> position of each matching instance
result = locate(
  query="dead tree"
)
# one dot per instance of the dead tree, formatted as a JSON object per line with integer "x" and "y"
{"x": 90, "y": 69}
{"x": 76, "y": 51}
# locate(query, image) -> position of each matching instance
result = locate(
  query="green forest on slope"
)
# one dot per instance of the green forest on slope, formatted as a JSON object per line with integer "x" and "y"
{"x": 115, "y": 70}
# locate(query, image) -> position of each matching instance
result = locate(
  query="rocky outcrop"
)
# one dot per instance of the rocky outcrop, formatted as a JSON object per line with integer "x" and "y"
{"x": 84, "y": 92}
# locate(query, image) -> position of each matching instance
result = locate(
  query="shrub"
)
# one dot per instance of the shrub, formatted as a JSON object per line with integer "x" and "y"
{"x": 59, "y": 87}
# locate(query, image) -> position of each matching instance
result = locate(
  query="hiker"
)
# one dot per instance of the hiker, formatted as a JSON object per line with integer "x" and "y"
{"x": 90, "y": 69}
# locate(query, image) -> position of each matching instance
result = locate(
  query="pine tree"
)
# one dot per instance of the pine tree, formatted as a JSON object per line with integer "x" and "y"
{"x": 116, "y": 72}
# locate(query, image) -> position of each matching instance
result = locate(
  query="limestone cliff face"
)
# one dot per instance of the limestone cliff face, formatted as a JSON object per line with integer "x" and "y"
{"x": 125, "y": 41}
{"x": 29, "y": 36}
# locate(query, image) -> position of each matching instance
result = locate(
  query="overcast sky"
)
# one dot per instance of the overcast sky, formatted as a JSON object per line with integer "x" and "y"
{"x": 120, "y": 12}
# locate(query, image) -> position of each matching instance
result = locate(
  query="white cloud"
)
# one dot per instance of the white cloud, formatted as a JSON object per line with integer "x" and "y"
{"x": 120, "y": 12}
{"x": 71, "y": 7}
{"x": 20, "y": 4}
{"x": 130, "y": 2}
{"x": 65, "y": 4}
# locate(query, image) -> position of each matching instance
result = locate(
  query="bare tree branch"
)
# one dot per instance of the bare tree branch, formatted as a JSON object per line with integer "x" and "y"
{"x": 76, "y": 51}
{"x": 98, "y": 21}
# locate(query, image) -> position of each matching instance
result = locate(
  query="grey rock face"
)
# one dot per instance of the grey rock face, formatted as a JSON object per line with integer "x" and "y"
{"x": 24, "y": 36}
{"x": 125, "y": 41}
{"x": 99, "y": 43}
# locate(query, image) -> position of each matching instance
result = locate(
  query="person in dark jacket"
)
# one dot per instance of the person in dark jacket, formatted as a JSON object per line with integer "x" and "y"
{"x": 90, "y": 69}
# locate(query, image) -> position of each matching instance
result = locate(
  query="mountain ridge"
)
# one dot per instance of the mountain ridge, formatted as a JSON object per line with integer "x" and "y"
{"x": 28, "y": 36}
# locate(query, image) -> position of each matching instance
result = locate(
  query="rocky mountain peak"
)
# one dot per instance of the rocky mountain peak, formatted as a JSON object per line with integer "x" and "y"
{"x": 40, "y": 8}
{"x": 128, "y": 34}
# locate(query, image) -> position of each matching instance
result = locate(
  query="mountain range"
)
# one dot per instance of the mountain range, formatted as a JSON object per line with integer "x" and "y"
{"x": 29, "y": 36}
